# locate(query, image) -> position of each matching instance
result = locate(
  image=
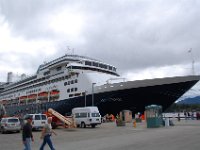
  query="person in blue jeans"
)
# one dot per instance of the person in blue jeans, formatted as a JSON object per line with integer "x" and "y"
{"x": 46, "y": 135}
{"x": 27, "y": 136}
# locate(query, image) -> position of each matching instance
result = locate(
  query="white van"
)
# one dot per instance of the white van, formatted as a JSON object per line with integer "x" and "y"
{"x": 86, "y": 116}
{"x": 39, "y": 120}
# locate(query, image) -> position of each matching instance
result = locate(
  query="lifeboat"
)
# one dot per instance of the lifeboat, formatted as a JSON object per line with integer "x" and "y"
{"x": 32, "y": 96}
{"x": 22, "y": 98}
{"x": 54, "y": 93}
{"x": 43, "y": 95}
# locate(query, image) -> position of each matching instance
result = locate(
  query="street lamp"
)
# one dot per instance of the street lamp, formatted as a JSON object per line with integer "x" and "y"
{"x": 85, "y": 98}
{"x": 193, "y": 61}
{"x": 93, "y": 93}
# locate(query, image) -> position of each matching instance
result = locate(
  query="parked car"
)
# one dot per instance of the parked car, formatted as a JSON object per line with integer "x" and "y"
{"x": 10, "y": 124}
{"x": 39, "y": 120}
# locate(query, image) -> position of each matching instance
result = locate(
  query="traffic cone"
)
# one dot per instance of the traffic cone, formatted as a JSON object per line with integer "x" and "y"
{"x": 134, "y": 123}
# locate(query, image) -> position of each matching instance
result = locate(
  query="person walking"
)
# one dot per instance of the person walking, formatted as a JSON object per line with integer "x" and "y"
{"x": 179, "y": 118}
{"x": 27, "y": 135}
{"x": 46, "y": 135}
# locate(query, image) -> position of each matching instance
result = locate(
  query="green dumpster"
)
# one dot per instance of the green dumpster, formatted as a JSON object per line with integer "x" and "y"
{"x": 153, "y": 116}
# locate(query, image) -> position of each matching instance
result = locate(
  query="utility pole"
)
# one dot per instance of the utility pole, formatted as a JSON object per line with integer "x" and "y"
{"x": 93, "y": 93}
{"x": 85, "y": 98}
{"x": 193, "y": 61}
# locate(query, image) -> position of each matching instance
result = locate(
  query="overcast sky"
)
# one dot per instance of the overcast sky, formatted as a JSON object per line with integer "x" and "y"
{"x": 142, "y": 38}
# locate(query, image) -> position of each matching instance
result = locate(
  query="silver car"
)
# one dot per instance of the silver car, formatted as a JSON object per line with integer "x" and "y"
{"x": 10, "y": 124}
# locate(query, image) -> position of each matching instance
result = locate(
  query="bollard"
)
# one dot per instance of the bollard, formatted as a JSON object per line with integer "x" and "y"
{"x": 134, "y": 123}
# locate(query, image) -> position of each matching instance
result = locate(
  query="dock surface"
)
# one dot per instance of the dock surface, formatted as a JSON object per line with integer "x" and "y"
{"x": 184, "y": 135}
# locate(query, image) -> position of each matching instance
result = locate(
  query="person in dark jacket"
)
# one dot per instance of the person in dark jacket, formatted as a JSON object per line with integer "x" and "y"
{"x": 27, "y": 135}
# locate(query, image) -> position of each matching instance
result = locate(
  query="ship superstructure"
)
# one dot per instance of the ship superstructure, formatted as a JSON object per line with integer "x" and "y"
{"x": 66, "y": 77}
{"x": 72, "y": 80}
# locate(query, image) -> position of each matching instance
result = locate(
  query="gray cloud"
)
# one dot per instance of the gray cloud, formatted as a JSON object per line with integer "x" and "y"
{"x": 157, "y": 34}
{"x": 27, "y": 17}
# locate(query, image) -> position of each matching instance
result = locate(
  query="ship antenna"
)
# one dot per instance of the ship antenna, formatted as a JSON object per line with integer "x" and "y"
{"x": 69, "y": 49}
{"x": 193, "y": 61}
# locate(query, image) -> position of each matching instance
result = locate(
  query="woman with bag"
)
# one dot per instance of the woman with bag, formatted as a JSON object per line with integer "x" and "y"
{"x": 46, "y": 134}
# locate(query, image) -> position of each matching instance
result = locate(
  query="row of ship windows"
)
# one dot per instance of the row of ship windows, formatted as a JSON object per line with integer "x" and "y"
{"x": 18, "y": 102}
{"x": 71, "y": 82}
{"x": 89, "y": 63}
{"x": 33, "y": 91}
{"x": 72, "y": 90}
{"x": 28, "y": 92}
{"x": 48, "y": 72}
{"x": 24, "y": 102}
{"x": 43, "y": 83}
{"x": 93, "y": 69}
{"x": 75, "y": 94}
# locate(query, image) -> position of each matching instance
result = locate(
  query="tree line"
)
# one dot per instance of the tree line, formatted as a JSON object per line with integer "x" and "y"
{"x": 183, "y": 107}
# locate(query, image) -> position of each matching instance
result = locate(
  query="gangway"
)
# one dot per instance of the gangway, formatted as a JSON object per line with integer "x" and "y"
{"x": 68, "y": 121}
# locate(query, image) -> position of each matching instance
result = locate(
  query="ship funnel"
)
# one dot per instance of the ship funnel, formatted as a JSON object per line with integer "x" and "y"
{"x": 10, "y": 77}
{"x": 23, "y": 76}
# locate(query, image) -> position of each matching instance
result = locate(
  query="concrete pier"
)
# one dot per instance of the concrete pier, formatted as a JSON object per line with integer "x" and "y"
{"x": 183, "y": 136}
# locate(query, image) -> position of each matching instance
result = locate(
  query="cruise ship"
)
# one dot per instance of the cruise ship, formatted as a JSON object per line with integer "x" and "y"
{"x": 77, "y": 81}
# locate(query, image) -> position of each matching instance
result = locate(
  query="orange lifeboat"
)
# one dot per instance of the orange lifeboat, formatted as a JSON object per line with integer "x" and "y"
{"x": 54, "y": 93}
{"x": 43, "y": 94}
{"x": 22, "y": 98}
{"x": 32, "y": 96}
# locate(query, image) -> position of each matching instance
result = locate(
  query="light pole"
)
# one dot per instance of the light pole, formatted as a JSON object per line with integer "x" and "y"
{"x": 93, "y": 93}
{"x": 193, "y": 61}
{"x": 85, "y": 98}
